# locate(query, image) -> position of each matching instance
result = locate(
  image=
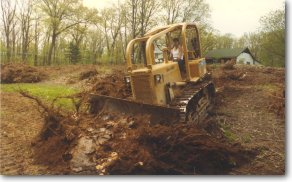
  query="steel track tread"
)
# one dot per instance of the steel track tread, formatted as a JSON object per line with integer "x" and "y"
{"x": 188, "y": 98}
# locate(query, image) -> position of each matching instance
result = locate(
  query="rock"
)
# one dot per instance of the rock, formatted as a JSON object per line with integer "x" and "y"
{"x": 139, "y": 164}
{"x": 110, "y": 124}
{"x": 102, "y": 129}
{"x": 87, "y": 145}
{"x": 99, "y": 167}
{"x": 106, "y": 137}
{"x": 90, "y": 129}
{"x": 80, "y": 158}
{"x": 77, "y": 169}
{"x": 106, "y": 117}
{"x": 101, "y": 140}
{"x": 131, "y": 124}
{"x": 123, "y": 121}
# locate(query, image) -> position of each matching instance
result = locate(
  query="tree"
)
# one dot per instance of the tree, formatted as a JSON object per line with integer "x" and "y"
{"x": 8, "y": 19}
{"x": 111, "y": 25}
{"x": 174, "y": 11}
{"x": 74, "y": 53}
{"x": 62, "y": 15}
{"x": 25, "y": 21}
{"x": 224, "y": 41}
{"x": 95, "y": 43}
{"x": 171, "y": 9}
{"x": 208, "y": 39}
{"x": 273, "y": 38}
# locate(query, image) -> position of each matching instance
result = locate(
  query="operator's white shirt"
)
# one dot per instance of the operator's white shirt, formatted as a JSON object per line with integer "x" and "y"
{"x": 175, "y": 53}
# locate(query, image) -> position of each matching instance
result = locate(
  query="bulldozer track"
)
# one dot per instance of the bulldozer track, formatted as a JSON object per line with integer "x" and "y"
{"x": 191, "y": 98}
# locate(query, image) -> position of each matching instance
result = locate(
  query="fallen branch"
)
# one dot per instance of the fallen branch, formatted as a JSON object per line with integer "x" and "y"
{"x": 37, "y": 100}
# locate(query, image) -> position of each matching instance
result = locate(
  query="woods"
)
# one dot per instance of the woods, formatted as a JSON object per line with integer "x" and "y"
{"x": 51, "y": 32}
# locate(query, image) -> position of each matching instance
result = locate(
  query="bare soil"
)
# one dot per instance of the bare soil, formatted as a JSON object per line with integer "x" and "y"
{"x": 251, "y": 119}
{"x": 20, "y": 124}
{"x": 247, "y": 109}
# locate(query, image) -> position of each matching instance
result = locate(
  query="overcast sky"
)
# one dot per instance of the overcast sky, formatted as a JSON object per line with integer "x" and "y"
{"x": 227, "y": 16}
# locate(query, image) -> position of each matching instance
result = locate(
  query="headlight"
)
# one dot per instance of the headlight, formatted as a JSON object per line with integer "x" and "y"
{"x": 157, "y": 78}
{"x": 127, "y": 79}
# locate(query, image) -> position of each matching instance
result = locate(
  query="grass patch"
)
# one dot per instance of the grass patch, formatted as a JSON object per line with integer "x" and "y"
{"x": 246, "y": 138}
{"x": 268, "y": 87}
{"x": 45, "y": 92}
{"x": 228, "y": 133}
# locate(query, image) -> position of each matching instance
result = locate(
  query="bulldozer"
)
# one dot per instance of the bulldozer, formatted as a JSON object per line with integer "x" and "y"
{"x": 161, "y": 87}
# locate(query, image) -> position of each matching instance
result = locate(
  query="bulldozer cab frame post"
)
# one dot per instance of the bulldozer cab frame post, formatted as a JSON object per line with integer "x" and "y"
{"x": 154, "y": 34}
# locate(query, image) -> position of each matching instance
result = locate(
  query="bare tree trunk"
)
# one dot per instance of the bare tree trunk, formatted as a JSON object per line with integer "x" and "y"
{"x": 8, "y": 53}
{"x": 36, "y": 43}
{"x": 13, "y": 44}
{"x": 52, "y": 47}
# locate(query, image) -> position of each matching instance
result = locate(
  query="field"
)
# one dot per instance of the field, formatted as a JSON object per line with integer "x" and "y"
{"x": 46, "y": 129}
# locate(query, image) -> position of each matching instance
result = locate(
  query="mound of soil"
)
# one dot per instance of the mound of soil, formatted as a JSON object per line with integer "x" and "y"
{"x": 229, "y": 65}
{"x": 112, "y": 85}
{"x": 177, "y": 149}
{"x": 87, "y": 74}
{"x": 20, "y": 73}
{"x": 124, "y": 144}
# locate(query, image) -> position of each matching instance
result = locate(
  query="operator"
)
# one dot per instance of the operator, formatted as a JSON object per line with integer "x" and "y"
{"x": 177, "y": 54}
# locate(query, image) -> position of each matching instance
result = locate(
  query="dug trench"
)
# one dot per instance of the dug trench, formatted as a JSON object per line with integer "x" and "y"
{"x": 108, "y": 143}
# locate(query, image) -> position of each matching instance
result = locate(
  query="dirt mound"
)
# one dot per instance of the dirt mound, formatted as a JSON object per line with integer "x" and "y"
{"x": 112, "y": 85}
{"x": 234, "y": 75}
{"x": 87, "y": 74}
{"x": 128, "y": 145}
{"x": 20, "y": 73}
{"x": 246, "y": 75}
{"x": 177, "y": 149}
{"x": 229, "y": 65}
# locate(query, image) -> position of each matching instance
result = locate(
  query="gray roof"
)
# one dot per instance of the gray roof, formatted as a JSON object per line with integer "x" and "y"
{"x": 227, "y": 53}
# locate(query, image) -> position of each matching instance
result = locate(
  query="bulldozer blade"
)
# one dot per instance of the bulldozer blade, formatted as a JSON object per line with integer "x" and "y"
{"x": 158, "y": 114}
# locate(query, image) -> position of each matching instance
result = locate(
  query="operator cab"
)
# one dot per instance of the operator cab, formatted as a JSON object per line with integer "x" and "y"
{"x": 189, "y": 41}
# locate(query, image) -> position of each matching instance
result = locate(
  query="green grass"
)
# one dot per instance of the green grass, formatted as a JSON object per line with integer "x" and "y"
{"x": 268, "y": 87}
{"x": 45, "y": 92}
{"x": 246, "y": 138}
{"x": 228, "y": 133}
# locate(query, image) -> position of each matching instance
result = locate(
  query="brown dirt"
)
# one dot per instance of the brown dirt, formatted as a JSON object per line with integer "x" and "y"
{"x": 112, "y": 85}
{"x": 177, "y": 149}
{"x": 19, "y": 126}
{"x": 20, "y": 73}
{"x": 87, "y": 74}
{"x": 140, "y": 147}
{"x": 229, "y": 65}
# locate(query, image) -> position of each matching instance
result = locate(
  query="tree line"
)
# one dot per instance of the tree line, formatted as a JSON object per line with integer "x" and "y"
{"x": 53, "y": 32}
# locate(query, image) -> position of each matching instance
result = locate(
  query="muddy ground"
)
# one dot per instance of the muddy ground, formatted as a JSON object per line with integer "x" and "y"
{"x": 246, "y": 135}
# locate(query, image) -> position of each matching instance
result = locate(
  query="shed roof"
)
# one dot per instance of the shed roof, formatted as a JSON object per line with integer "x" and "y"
{"x": 226, "y": 53}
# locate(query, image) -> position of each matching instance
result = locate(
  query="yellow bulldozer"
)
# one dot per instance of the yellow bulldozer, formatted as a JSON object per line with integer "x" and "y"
{"x": 167, "y": 89}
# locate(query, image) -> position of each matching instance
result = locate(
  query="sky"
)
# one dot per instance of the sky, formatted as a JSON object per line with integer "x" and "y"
{"x": 228, "y": 16}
